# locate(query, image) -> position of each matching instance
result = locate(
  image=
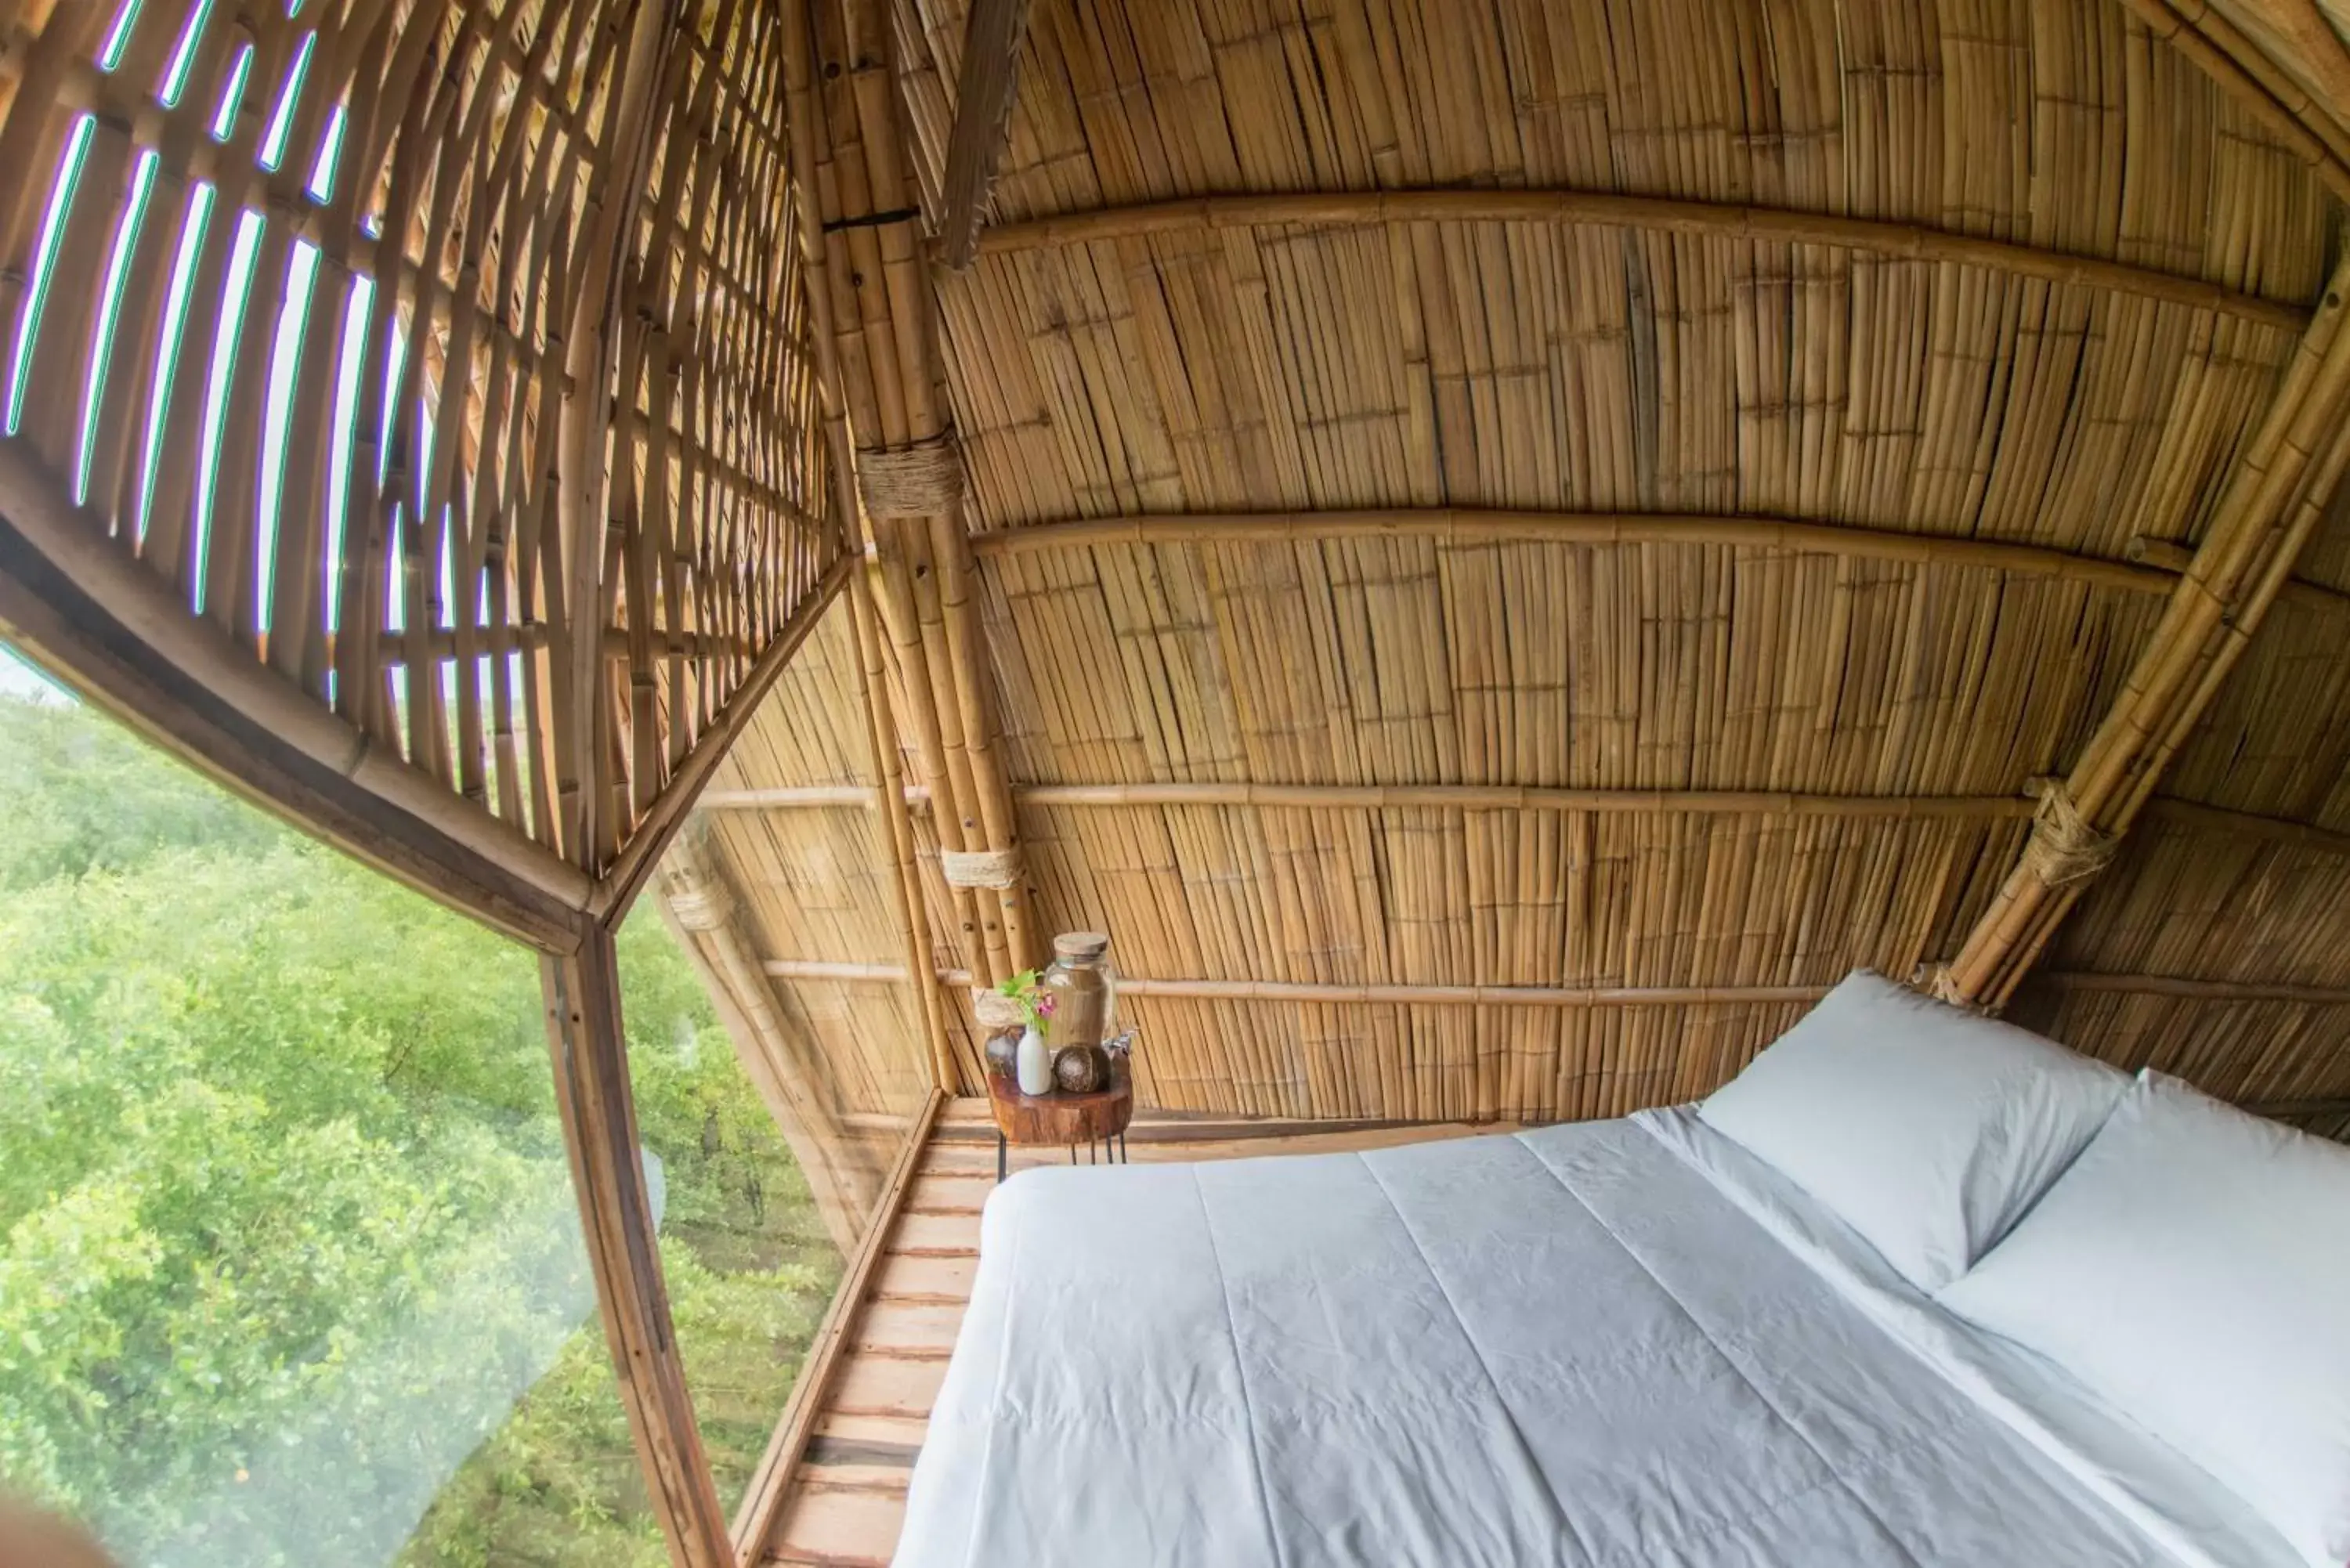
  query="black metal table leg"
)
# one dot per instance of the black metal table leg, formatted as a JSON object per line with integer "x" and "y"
{"x": 1000, "y": 1158}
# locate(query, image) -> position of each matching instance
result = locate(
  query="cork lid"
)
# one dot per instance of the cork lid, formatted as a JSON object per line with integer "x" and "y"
{"x": 1083, "y": 946}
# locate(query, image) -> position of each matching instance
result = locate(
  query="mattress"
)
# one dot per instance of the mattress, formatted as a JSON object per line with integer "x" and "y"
{"x": 1614, "y": 1342}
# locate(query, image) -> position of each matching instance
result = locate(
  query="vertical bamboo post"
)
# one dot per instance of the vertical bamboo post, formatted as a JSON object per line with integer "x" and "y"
{"x": 953, "y": 644}
{"x": 873, "y": 682}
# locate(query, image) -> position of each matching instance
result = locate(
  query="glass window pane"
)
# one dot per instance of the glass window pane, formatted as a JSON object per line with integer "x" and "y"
{"x": 749, "y": 1263}
{"x": 290, "y": 1265}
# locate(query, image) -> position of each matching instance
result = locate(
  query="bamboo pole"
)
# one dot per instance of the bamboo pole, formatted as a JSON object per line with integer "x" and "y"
{"x": 873, "y": 686}
{"x": 2277, "y": 492}
{"x": 700, "y": 912}
{"x": 881, "y": 743}
{"x": 867, "y": 347}
{"x": 954, "y": 644}
{"x": 1900, "y": 241}
{"x": 1448, "y": 797}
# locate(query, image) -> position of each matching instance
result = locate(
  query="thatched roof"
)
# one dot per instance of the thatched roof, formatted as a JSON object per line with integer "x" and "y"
{"x": 1545, "y": 638}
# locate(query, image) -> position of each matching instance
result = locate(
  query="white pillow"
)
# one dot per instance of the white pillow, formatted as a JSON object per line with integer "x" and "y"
{"x": 1927, "y": 1130}
{"x": 2193, "y": 1268}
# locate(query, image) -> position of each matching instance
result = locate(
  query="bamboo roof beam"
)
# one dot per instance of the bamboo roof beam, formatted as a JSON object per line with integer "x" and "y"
{"x": 2247, "y": 824}
{"x": 1475, "y": 526}
{"x": 1517, "y": 797}
{"x": 1293, "y": 991}
{"x": 2280, "y": 488}
{"x": 1713, "y": 220}
{"x": 1445, "y": 797}
{"x": 982, "y": 123}
{"x": 825, "y": 971}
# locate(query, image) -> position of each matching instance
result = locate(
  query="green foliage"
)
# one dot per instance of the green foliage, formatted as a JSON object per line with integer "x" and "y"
{"x": 284, "y": 1201}
{"x": 103, "y": 799}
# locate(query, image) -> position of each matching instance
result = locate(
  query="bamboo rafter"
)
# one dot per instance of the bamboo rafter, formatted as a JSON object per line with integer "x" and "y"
{"x": 2277, "y": 493}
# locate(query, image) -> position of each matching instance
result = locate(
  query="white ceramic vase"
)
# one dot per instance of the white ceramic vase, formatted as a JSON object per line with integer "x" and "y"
{"x": 1033, "y": 1065}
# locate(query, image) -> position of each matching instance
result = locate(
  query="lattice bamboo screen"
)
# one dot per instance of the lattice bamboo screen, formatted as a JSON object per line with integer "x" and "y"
{"x": 444, "y": 356}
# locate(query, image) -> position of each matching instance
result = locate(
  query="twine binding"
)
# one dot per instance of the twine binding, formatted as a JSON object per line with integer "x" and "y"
{"x": 919, "y": 480}
{"x": 2064, "y": 848}
{"x": 1943, "y": 987}
{"x": 980, "y": 868}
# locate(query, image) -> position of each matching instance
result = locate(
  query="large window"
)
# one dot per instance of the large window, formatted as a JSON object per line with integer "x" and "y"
{"x": 290, "y": 1266}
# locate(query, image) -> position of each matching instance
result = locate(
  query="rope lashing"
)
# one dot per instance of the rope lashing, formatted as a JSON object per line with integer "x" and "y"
{"x": 922, "y": 480}
{"x": 981, "y": 867}
{"x": 1943, "y": 987}
{"x": 2064, "y": 848}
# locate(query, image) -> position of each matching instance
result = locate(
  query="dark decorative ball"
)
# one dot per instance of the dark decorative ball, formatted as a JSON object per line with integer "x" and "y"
{"x": 1003, "y": 1054}
{"x": 1077, "y": 1070}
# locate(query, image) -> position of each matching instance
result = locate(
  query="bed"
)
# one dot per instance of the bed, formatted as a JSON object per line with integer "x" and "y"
{"x": 1618, "y": 1343}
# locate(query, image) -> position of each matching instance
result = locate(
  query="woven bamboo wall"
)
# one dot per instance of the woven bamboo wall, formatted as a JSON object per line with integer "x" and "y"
{"x": 1714, "y": 362}
{"x": 445, "y": 357}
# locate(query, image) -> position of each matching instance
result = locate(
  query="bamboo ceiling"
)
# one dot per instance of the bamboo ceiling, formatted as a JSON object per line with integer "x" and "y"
{"x": 1509, "y": 545}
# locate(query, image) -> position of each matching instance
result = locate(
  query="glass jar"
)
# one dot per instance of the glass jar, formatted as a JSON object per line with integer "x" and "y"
{"x": 1081, "y": 989}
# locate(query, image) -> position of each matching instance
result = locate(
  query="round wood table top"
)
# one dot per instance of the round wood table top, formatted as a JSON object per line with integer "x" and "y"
{"x": 1062, "y": 1119}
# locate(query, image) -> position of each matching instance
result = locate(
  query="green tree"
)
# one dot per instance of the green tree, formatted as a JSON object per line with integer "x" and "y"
{"x": 284, "y": 1203}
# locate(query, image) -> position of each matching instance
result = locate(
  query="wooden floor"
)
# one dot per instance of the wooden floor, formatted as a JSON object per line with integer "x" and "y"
{"x": 848, "y": 1498}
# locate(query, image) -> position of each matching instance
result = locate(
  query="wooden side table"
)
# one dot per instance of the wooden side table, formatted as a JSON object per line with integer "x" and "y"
{"x": 1100, "y": 1118}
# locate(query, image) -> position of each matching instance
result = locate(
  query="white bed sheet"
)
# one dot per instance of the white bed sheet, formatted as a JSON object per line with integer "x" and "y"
{"x": 1616, "y": 1343}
